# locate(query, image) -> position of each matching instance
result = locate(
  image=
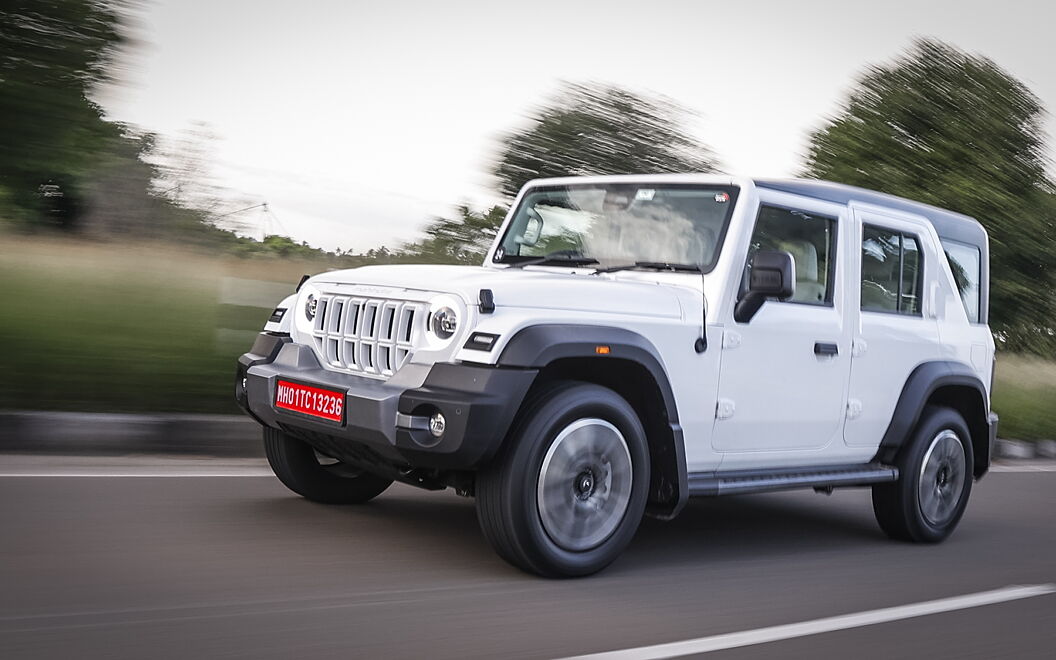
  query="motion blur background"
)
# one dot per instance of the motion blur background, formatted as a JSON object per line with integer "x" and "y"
{"x": 169, "y": 169}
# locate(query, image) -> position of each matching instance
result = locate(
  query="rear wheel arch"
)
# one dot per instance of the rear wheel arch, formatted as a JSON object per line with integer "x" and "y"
{"x": 632, "y": 368}
{"x": 945, "y": 384}
{"x": 970, "y": 403}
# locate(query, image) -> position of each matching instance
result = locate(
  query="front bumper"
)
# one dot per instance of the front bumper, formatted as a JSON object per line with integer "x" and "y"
{"x": 387, "y": 421}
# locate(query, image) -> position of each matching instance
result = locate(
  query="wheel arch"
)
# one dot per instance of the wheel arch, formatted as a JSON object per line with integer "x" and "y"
{"x": 631, "y": 366}
{"x": 943, "y": 383}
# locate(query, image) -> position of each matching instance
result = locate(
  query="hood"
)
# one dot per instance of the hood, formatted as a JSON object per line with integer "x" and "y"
{"x": 542, "y": 289}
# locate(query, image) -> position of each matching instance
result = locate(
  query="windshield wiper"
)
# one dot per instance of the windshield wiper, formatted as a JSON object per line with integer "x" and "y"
{"x": 563, "y": 257}
{"x": 653, "y": 265}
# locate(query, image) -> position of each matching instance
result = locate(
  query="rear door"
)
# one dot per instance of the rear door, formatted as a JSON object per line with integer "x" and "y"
{"x": 895, "y": 327}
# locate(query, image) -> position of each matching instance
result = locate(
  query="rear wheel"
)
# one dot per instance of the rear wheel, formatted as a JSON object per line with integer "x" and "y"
{"x": 318, "y": 478}
{"x": 568, "y": 492}
{"x": 935, "y": 480}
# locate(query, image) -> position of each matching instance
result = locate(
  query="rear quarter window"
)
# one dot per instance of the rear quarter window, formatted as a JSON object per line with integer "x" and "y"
{"x": 965, "y": 262}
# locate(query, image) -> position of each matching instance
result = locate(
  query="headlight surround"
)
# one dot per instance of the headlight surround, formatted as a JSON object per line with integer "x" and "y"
{"x": 444, "y": 322}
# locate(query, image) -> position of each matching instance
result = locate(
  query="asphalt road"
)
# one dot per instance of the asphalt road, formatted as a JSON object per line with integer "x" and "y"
{"x": 232, "y": 565}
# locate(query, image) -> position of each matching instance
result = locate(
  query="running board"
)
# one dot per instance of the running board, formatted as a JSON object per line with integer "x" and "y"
{"x": 760, "y": 481}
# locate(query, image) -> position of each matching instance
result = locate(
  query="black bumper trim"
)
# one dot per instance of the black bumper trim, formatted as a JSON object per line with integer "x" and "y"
{"x": 265, "y": 347}
{"x": 478, "y": 403}
{"x": 992, "y": 421}
{"x": 390, "y": 418}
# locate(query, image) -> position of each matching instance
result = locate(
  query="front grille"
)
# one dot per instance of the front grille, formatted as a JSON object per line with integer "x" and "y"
{"x": 366, "y": 335}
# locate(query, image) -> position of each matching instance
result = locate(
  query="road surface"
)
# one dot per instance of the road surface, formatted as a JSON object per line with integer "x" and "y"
{"x": 146, "y": 558}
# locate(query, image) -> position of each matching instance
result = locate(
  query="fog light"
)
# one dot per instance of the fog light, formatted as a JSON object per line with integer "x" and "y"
{"x": 437, "y": 424}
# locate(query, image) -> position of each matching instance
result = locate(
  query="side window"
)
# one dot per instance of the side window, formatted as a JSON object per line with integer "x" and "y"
{"x": 892, "y": 271}
{"x": 965, "y": 263}
{"x": 810, "y": 239}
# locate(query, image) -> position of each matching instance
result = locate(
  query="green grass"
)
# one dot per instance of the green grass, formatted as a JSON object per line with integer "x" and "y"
{"x": 1025, "y": 397}
{"x": 122, "y": 328}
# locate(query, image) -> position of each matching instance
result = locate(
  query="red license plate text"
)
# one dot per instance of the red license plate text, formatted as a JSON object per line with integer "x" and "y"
{"x": 314, "y": 401}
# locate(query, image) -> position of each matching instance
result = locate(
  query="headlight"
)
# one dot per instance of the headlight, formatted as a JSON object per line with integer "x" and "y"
{"x": 310, "y": 307}
{"x": 444, "y": 323}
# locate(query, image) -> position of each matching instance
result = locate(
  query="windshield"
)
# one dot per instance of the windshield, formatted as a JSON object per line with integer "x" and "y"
{"x": 620, "y": 224}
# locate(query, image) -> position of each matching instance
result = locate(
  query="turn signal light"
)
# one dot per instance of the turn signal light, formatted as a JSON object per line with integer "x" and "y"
{"x": 481, "y": 341}
{"x": 602, "y": 350}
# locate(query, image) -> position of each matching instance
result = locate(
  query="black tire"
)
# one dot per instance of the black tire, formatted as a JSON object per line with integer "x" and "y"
{"x": 297, "y": 466}
{"x": 908, "y": 511}
{"x": 575, "y": 429}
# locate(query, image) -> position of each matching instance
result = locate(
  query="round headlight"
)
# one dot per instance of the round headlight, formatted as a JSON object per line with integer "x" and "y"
{"x": 444, "y": 322}
{"x": 310, "y": 307}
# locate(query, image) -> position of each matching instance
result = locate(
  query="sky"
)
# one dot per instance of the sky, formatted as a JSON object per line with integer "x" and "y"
{"x": 358, "y": 121}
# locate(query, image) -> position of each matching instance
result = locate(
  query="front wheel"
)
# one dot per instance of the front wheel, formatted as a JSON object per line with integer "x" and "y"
{"x": 567, "y": 493}
{"x": 318, "y": 478}
{"x": 935, "y": 480}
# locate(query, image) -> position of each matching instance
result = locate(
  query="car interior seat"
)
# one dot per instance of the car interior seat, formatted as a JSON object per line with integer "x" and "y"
{"x": 808, "y": 287}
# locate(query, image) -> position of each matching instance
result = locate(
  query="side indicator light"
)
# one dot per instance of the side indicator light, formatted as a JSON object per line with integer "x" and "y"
{"x": 481, "y": 341}
{"x": 602, "y": 350}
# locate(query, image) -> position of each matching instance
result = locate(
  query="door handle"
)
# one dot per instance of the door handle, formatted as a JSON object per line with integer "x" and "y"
{"x": 823, "y": 348}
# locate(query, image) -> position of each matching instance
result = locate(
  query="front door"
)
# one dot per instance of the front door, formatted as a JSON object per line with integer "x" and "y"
{"x": 783, "y": 375}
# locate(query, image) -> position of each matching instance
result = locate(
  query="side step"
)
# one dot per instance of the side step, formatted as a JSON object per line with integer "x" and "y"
{"x": 737, "y": 482}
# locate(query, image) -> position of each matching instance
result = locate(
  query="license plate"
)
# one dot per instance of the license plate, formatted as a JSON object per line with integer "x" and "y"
{"x": 308, "y": 400}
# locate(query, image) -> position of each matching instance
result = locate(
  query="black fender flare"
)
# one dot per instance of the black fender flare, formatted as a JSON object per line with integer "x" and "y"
{"x": 537, "y": 346}
{"x": 926, "y": 379}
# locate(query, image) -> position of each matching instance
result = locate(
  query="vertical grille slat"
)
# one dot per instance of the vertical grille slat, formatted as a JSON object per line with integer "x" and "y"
{"x": 406, "y": 323}
{"x": 334, "y": 318}
{"x": 370, "y": 336}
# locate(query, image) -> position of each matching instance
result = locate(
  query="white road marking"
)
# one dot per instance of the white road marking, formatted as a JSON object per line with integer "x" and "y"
{"x": 829, "y": 624}
{"x": 110, "y": 467}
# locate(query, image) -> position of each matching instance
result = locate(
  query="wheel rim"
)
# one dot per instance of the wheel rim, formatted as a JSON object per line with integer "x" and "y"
{"x": 941, "y": 478}
{"x": 584, "y": 484}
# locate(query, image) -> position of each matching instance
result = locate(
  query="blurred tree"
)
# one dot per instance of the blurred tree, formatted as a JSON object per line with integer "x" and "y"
{"x": 115, "y": 198}
{"x": 955, "y": 130}
{"x": 184, "y": 165}
{"x": 464, "y": 239}
{"x": 53, "y": 54}
{"x": 600, "y": 129}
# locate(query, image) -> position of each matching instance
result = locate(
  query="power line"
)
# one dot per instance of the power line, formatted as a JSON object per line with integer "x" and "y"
{"x": 266, "y": 214}
{"x": 274, "y": 217}
{"x": 248, "y": 208}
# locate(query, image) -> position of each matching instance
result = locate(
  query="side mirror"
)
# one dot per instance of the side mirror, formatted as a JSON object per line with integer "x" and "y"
{"x": 773, "y": 275}
{"x": 533, "y": 229}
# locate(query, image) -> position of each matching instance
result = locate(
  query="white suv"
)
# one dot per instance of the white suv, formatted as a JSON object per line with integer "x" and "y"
{"x": 631, "y": 341}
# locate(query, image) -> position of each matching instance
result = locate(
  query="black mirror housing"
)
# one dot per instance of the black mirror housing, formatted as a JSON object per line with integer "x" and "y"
{"x": 773, "y": 275}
